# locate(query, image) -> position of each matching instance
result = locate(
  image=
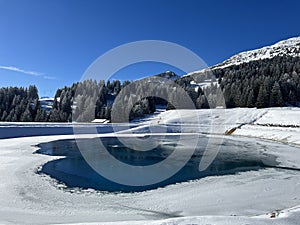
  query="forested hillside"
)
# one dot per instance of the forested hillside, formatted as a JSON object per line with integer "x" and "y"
{"x": 271, "y": 82}
{"x": 20, "y": 104}
{"x": 263, "y": 83}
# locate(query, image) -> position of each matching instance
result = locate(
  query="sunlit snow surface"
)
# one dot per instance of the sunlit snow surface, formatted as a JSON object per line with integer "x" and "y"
{"x": 289, "y": 47}
{"x": 244, "y": 198}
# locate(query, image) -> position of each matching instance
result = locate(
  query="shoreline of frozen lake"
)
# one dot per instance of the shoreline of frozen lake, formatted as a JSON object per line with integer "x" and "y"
{"x": 29, "y": 198}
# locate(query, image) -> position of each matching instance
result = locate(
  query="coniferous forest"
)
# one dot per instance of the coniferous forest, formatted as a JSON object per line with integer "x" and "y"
{"x": 264, "y": 83}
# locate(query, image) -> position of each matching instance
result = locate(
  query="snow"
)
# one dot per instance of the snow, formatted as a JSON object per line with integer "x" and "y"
{"x": 47, "y": 103}
{"x": 286, "y": 135}
{"x": 289, "y": 216}
{"x": 277, "y": 124}
{"x": 286, "y": 47}
{"x": 203, "y": 85}
{"x": 281, "y": 116}
{"x": 290, "y": 47}
{"x": 215, "y": 121}
{"x": 26, "y": 196}
{"x": 244, "y": 198}
{"x": 100, "y": 121}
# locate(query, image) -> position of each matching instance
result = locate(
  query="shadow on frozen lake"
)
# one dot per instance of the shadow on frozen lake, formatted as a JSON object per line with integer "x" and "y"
{"x": 234, "y": 156}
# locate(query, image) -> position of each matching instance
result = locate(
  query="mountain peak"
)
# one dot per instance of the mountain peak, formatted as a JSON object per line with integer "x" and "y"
{"x": 289, "y": 47}
{"x": 289, "y": 42}
{"x": 168, "y": 75}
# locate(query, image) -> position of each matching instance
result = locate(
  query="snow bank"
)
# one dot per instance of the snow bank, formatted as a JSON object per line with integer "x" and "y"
{"x": 285, "y": 135}
{"x": 231, "y": 117}
{"x": 281, "y": 117}
{"x": 215, "y": 121}
{"x": 277, "y": 124}
{"x": 285, "y": 217}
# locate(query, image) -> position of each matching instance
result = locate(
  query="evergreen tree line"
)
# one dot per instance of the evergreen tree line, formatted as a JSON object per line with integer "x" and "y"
{"x": 85, "y": 101}
{"x": 264, "y": 83}
{"x": 82, "y": 102}
{"x": 20, "y": 104}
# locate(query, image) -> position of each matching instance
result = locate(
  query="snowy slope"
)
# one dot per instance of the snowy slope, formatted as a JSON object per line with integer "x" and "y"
{"x": 281, "y": 117}
{"x": 276, "y": 124}
{"x": 290, "y": 47}
{"x": 285, "y": 217}
{"x": 46, "y": 103}
{"x": 215, "y": 121}
{"x": 168, "y": 75}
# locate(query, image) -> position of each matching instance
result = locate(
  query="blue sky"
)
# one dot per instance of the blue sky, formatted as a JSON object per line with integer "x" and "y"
{"x": 51, "y": 43}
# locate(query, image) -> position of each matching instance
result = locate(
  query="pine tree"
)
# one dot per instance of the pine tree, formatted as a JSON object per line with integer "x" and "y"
{"x": 292, "y": 98}
{"x": 32, "y": 92}
{"x": 251, "y": 99}
{"x": 202, "y": 102}
{"x": 276, "y": 99}
{"x": 41, "y": 116}
{"x": 27, "y": 114}
{"x": 54, "y": 116}
{"x": 4, "y": 115}
{"x": 261, "y": 98}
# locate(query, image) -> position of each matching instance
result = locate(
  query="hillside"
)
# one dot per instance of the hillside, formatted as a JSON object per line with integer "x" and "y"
{"x": 265, "y": 77}
{"x": 289, "y": 47}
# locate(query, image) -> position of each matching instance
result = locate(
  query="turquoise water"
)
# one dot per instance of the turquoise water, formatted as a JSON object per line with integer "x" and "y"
{"x": 72, "y": 170}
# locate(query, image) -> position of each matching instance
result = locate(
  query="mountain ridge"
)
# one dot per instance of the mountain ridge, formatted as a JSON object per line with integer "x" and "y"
{"x": 286, "y": 47}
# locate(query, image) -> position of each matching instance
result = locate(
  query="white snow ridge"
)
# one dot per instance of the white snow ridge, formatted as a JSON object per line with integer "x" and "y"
{"x": 289, "y": 47}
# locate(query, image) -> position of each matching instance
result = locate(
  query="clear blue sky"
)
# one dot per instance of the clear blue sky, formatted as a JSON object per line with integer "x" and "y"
{"x": 51, "y": 43}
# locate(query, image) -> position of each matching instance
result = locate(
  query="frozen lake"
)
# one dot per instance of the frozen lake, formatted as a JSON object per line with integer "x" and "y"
{"x": 235, "y": 155}
{"x": 249, "y": 180}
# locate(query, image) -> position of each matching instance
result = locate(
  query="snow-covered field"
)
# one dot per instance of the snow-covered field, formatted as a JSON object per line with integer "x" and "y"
{"x": 276, "y": 124}
{"x": 244, "y": 198}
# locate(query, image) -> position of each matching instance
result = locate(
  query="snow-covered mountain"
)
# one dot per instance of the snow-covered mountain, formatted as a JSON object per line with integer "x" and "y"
{"x": 290, "y": 47}
{"x": 168, "y": 75}
{"x": 46, "y": 103}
